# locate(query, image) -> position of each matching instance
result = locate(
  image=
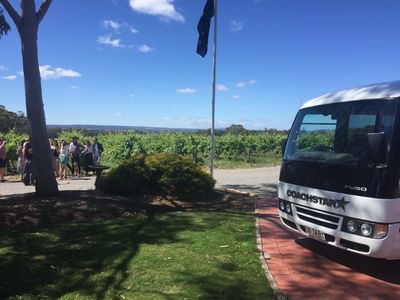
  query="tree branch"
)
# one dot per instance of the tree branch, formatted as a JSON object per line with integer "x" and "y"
{"x": 43, "y": 10}
{"x": 11, "y": 11}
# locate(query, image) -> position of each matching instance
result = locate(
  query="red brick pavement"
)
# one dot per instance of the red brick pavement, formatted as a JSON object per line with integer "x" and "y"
{"x": 307, "y": 269}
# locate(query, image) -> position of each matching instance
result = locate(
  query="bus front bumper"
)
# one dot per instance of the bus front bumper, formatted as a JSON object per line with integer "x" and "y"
{"x": 387, "y": 248}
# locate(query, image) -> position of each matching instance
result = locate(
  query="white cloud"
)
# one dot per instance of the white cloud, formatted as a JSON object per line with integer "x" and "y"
{"x": 112, "y": 24}
{"x": 117, "y": 27}
{"x": 242, "y": 84}
{"x": 9, "y": 77}
{"x": 221, "y": 87}
{"x": 162, "y": 8}
{"x": 73, "y": 87}
{"x": 133, "y": 30}
{"x": 118, "y": 114}
{"x": 236, "y": 96}
{"x": 186, "y": 91}
{"x": 106, "y": 40}
{"x": 48, "y": 72}
{"x": 236, "y": 26}
{"x": 3, "y": 68}
{"x": 145, "y": 48}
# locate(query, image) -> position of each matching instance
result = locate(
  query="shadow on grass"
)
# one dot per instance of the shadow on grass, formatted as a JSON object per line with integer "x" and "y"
{"x": 89, "y": 258}
{"x": 101, "y": 259}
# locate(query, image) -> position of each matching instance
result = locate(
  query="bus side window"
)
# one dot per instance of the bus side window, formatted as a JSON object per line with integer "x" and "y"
{"x": 359, "y": 126}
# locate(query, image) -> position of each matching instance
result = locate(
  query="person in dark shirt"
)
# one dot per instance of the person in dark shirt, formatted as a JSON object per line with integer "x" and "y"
{"x": 75, "y": 150}
{"x": 97, "y": 149}
{"x": 87, "y": 157}
{"x": 28, "y": 178}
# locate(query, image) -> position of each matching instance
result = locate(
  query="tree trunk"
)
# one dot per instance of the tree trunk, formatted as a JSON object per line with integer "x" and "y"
{"x": 46, "y": 183}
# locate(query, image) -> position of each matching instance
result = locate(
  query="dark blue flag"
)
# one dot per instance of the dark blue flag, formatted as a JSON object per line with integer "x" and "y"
{"x": 204, "y": 28}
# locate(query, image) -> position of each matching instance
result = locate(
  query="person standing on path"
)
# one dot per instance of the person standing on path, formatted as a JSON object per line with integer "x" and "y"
{"x": 64, "y": 159}
{"x": 97, "y": 149}
{"x": 29, "y": 178}
{"x": 21, "y": 160}
{"x": 87, "y": 157}
{"x": 75, "y": 151}
{"x": 3, "y": 161}
{"x": 55, "y": 153}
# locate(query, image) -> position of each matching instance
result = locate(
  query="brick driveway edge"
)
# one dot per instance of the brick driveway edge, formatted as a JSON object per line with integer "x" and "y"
{"x": 264, "y": 256}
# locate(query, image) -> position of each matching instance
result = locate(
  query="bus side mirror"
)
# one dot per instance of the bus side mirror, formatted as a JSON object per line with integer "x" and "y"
{"x": 377, "y": 145}
{"x": 284, "y": 142}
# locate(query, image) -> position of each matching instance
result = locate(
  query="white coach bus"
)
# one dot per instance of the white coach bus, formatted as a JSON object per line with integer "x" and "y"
{"x": 339, "y": 180}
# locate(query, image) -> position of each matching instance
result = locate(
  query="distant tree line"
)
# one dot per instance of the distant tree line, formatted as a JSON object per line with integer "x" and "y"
{"x": 11, "y": 121}
{"x": 17, "y": 122}
{"x": 237, "y": 129}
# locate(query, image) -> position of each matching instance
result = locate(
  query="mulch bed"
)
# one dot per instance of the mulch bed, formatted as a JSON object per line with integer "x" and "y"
{"x": 79, "y": 206}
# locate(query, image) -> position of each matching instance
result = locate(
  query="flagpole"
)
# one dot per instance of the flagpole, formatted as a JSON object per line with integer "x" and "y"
{"x": 213, "y": 89}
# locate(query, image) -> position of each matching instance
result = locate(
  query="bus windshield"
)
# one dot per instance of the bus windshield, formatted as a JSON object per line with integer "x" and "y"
{"x": 337, "y": 133}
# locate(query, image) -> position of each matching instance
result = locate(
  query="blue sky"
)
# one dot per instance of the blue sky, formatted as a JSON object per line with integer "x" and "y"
{"x": 133, "y": 62}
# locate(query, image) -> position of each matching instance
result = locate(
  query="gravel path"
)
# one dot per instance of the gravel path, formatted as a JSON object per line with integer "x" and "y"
{"x": 260, "y": 181}
{"x": 80, "y": 183}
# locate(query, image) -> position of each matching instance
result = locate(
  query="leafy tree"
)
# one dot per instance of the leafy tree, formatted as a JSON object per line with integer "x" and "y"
{"x": 16, "y": 122}
{"x": 235, "y": 129}
{"x": 28, "y": 24}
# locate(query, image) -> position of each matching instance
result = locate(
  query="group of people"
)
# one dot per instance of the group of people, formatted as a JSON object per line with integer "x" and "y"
{"x": 24, "y": 164}
{"x": 70, "y": 156}
{"x": 66, "y": 157}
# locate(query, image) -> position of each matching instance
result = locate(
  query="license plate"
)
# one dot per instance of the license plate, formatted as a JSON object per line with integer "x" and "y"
{"x": 315, "y": 233}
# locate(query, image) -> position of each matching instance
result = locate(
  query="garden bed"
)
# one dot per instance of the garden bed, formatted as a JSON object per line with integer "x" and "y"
{"x": 73, "y": 206}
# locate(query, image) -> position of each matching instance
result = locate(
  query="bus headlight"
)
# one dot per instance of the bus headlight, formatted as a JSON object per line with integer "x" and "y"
{"x": 288, "y": 208}
{"x": 366, "y": 229}
{"x": 362, "y": 228}
{"x": 285, "y": 206}
{"x": 381, "y": 231}
{"x": 352, "y": 226}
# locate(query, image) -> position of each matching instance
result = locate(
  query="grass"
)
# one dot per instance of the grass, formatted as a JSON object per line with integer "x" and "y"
{"x": 178, "y": 255}
{"x": 268, "y": 160}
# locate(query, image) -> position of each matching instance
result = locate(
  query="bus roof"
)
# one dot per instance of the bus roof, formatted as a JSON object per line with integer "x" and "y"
{"x": 382, "y": 90}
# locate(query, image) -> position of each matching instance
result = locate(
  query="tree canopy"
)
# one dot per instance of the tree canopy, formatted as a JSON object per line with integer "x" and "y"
{"x": 235, "y": 129}
{"x": 4, "y": 26}
{"x": 13, "y": 121}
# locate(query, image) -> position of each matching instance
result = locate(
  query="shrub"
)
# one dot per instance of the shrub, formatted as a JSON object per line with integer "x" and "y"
{"x": 130, "y": 178}
{"x": 159, "y": 173}
{"x": 178, "y": 176}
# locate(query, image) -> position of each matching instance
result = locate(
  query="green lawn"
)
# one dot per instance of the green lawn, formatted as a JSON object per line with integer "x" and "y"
{"x": 255, "y": 162}
{"x": 179, "y": 255}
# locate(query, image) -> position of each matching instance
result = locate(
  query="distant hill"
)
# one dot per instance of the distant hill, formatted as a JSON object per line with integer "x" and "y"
{"x": 121, "y": 128}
